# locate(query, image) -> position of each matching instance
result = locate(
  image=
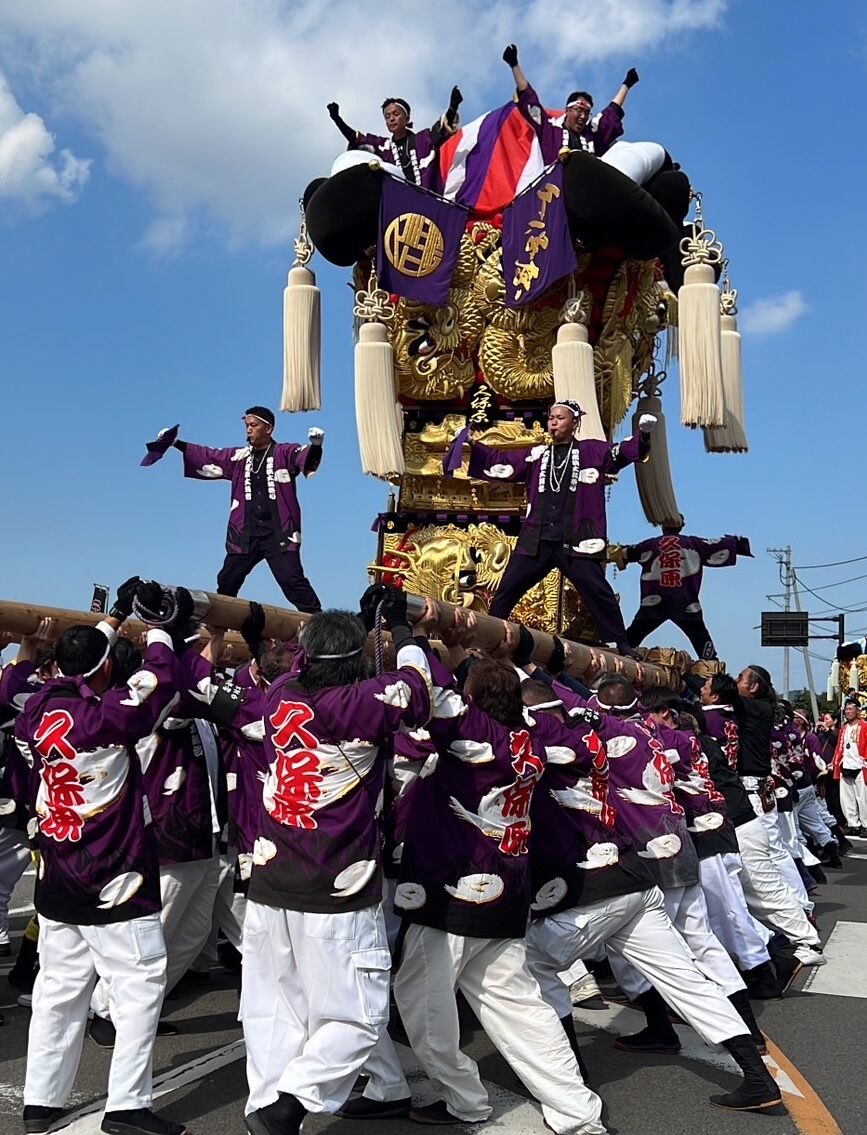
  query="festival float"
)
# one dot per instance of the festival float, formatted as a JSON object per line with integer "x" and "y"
{"x": 515, "y": 286}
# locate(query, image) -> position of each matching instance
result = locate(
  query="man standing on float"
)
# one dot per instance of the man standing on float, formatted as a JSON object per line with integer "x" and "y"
{"x": 565, "y": 525}
{"x": 265, "y": 517}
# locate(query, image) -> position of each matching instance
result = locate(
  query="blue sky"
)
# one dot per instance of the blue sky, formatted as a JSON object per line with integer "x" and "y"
{"x": 151, "y": 157}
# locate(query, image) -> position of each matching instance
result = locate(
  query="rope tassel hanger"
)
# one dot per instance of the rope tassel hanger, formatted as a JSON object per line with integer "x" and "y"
{"x": 653, "y": 475}
{"x": 731, "y": 437}
{"x": 572, "y": 359}
{"x": 377, "y": 411}
{"x": 699, "y": 340}
{"x": 301, "y": 330}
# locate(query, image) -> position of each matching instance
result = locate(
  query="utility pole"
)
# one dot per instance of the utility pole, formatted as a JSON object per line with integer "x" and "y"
{"x": 783, "y": 556}
{"x": 814, "y": 705}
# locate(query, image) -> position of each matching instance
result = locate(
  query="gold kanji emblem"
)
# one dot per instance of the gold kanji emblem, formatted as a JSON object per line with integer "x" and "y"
{"x": 414, "y": 245}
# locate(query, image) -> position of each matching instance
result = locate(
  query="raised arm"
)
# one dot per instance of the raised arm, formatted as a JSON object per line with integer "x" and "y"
{"x": 348, "y": 133}
{"x": 510, "y": 56}
{"x": 625, "y": 87}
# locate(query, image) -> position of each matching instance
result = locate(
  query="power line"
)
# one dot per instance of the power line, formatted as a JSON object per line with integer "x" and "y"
{"x": 818, "y": 567}
{"x": 839, "y": 607}
{"x": 827, "y": 586}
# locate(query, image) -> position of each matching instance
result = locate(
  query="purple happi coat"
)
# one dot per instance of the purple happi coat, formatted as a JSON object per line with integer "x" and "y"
{"x": 642, "y": 789}
{"x": 92, "y": 824}
{"x": 424, "y": 144}
{"x": 581, "y": 850}
{"x": 585, "y": 525}
{"x": 283, "y": 465}
{"x": 599, "y": 135}
{"x": 177, "y": 777}
{"x": 782, "y": 738}
{"x": 465, "y": 866}
{"x": 706, "y": 814}
{"x": 722, "y": 725}
{"x": 318, "y": 845}
{"x": 672, "y": 566}
{"x": 18, "y": 683}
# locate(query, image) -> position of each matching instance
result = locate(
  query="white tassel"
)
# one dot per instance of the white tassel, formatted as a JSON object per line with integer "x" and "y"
{"x": 653, "y": 476}
{"x": 833, "y": 680}
{"x": 731, "y": 438}
{"x": 301, "y": 342}
{"x": 377, "y": 411}
{"x": 700, "y": 349}
{"x": 572, "y": 359}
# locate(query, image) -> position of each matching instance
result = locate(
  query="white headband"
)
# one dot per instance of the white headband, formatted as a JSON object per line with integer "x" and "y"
{"x": 348, "y": 654}
{"x": 92, "y": 671}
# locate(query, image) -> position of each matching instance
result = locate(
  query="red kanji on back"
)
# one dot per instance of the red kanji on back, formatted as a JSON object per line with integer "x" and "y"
{"x": 51, "y": 735}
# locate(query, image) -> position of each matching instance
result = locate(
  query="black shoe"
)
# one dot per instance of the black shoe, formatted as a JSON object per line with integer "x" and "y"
{"x": 166, "y": 1028}
{"x": 38, "y": 1119}
{"x": 438, "y": 1115}
{"x": 139, "y": 1121}
{"x": 230, "y": 958}
{"x": 363, "y": 1108}
{"x": 830, "y": 855}
{"x": 650, "y": 1040}
{"x": 282, "y": 1117}
{"x": 759, "y": 1089}
{"x": 102, "y": 1031}
{"x": 763, "y": 983}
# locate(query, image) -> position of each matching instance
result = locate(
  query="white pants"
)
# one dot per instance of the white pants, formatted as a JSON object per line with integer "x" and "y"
{"x": 494, "y": 977}
{"x": 637, "y": 929}
{"x": 314, "y": 1002}
{"x": 14, "y": 857}
{"x": 778, "y": 852}
{"x": 227, "y": 915}
{"x": 767, "y": 892}
{"x": 853, "y": 801}
{"x": 790, "y": 834}
{"x": 745, "y": 939}
{"x": 131, "y": 958}
{"x": 638, "y": 160}
{"x": 809, "y": 819}
{"x": 187, "y": 891}
{"x": 687, "y": 909}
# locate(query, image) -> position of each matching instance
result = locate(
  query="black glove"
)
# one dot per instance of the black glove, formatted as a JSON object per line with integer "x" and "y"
{"x": 394, "y": 608}
{"x": 557, "y": 661}
{"x": 631, "y": 78}
{"x": 510, "y": 55}
{"x": 185, "y": 608}
{"x": 333, "y": 110}
{"x": 456, "y": 99}
{"x": 126, "y": 593}
{"x": 253, "y": 627}
{"x": 526, "y": 645}
{"x": 368, "y": 603}
{"x": 150, "y": 602}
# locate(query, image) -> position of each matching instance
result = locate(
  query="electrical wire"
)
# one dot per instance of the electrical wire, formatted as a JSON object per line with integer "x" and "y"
{"x": 839, "y": 607}
{"x": 818, "y": 567}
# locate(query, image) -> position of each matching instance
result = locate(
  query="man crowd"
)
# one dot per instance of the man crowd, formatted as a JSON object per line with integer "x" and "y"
{"x": 533, "y": 827}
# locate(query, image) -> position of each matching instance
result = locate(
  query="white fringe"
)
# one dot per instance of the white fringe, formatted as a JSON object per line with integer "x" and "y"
{"x": 301, "y": 342}
{"x": 377, "y": 411}
{"x": 732, "y": 437}
{"x": 701, "y": 382}
{"x": 572, "y": 358}
{"x": 653, "y": 476}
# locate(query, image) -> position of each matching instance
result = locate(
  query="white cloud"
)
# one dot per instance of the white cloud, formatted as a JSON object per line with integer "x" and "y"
{"x": 166, "y": 236}
{"x": 774, "y": 314}
{"x": 218, "y": 106}
{"x": 30, "y": 174}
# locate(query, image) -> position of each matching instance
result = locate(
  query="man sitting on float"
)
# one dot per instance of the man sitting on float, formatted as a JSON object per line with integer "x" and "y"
{"x": 405, "y": 153}
{"x": 576, "y": 130}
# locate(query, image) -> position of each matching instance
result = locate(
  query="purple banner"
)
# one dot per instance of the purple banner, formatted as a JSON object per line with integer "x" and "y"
{"x": 419, "y": 240}
{"x": 537, "y": 244}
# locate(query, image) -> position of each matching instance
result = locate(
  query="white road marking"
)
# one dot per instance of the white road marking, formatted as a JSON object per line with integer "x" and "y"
{"x": 21, "y": 910}
{"x": 621, "y": 1019}
{"x": 87, "y": 1120}
{"x": 844, "y": 975}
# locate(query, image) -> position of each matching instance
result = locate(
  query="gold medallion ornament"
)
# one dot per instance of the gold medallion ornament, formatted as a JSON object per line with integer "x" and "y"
{"x": 414, "y": 245}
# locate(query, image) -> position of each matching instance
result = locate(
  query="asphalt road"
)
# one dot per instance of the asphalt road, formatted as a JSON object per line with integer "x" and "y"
{"x": 817, "y": 1053}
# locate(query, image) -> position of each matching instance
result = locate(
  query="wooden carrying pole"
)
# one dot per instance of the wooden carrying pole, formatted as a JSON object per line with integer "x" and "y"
{"x": 585, "y": 662}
